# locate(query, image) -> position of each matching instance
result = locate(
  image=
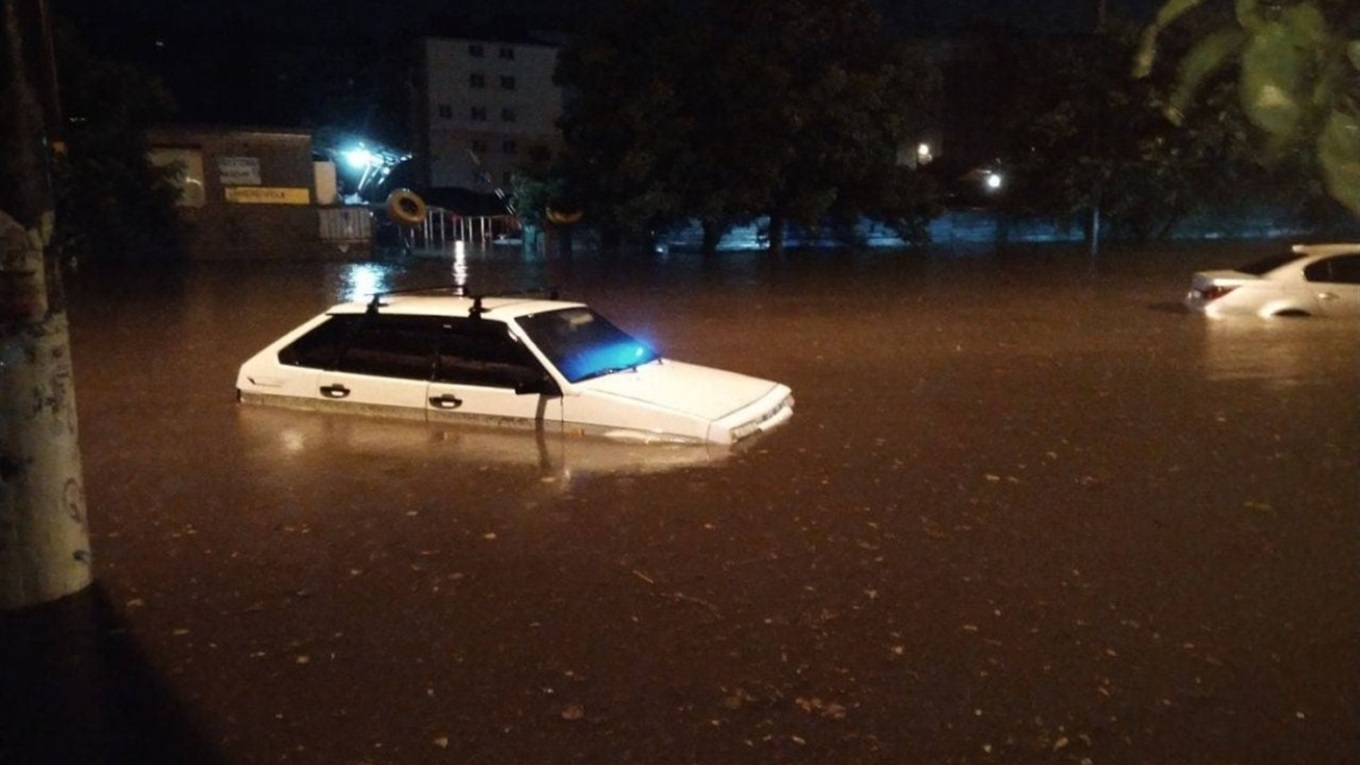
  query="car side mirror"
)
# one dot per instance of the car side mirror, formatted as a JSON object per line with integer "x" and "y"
{"x": 541, "y": 385}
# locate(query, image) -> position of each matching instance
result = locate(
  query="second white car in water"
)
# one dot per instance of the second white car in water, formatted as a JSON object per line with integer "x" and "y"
{"x": 1309, "y": 280}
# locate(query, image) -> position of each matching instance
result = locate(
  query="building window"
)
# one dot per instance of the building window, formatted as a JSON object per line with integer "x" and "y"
{"x": 507, "y": 114}
{"x": 187, "y": 167}
{"x": 478, "y": 114}
{"x": 507, "y": 53}
{"x": 507, "y": 82}
{"x": 446, "y": 111}
{"x": 475, "y": 50}
{"x": 477, "y": 80}
{"x": 479, "y": 146}
{"x": 508, "y": 147}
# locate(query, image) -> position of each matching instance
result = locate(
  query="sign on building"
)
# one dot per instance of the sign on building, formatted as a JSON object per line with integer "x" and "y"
{"x": 238, "y": 171}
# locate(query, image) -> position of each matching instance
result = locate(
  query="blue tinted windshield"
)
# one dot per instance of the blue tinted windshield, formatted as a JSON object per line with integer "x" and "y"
{"x": 582, "y": 344}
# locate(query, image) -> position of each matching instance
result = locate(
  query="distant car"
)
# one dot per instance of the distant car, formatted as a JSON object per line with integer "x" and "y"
{"x": 1309, "y": 280}
{"x": 510, "y": 360}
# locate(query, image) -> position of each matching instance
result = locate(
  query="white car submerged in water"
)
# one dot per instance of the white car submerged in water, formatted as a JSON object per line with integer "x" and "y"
{"x": 1308, "y": 280}
{"x": 510, "y": 360}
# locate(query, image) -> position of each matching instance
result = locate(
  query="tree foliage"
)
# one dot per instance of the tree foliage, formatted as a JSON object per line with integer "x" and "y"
{"x": 724, "y": 112}
{"x": 111, "y": 201}
{"x": 1083, "y": 136}
{"x": 1298, "y": 76}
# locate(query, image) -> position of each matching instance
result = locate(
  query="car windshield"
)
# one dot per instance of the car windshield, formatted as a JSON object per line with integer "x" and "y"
{"x": 1266, "y": 265}
{"x": 582, "y": 344}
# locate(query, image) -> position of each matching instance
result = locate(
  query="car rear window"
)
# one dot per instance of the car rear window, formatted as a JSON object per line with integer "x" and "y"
{"x": 1266, "y": 265}
{"x": 321, "y": 347}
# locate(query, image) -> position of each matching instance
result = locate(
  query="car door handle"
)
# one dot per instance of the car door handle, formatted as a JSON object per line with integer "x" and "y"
{"x": 1327, "y": 296}
{"x": 446, "y": 401}
{"x": 336, "y": 390}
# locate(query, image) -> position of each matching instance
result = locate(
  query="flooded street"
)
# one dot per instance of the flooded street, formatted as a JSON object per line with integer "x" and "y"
{"x": 1027, "y": 510}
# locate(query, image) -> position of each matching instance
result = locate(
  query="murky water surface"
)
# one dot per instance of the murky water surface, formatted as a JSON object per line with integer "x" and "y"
{"x": 1027, "y": 510}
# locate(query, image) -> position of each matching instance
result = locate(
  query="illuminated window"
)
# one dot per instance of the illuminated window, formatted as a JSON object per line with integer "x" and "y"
{"x": 187, "y": 165}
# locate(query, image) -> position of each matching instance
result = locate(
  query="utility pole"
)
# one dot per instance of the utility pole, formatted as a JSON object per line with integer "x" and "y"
{"x": 1102, "y": 21}
{"x": 44, "y": 542}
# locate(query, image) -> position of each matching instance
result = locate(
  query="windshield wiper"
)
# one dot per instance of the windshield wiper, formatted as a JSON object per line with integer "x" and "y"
{"x": 608, "y": 371}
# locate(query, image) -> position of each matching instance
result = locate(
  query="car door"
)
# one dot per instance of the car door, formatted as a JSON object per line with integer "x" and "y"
{"x": 1335, "y": 284}
{"x": 485, "y": 374}
{"x": 384, "y": 366}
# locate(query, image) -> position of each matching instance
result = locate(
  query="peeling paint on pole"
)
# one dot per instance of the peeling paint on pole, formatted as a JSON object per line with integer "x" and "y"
{"x": 23, "y": 290}
{"x": 44, "y": 542}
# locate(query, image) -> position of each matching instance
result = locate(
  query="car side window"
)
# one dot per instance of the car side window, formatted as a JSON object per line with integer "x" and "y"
{"x": 321, "y": 347}
{"x": 1346, "y": 269}
{"x": 392, "y": 346}
{"x": 482, "y": 352}
{"x": 1342, "y": 269}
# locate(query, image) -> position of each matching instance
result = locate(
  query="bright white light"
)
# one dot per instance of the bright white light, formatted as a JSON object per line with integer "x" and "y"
{"x": 923, "y": 150}
{"x": 361, "y": 158}
{"x": 993, "y": 181}
{"x": 460, "y": 265}
{"x": 363, "y": 280}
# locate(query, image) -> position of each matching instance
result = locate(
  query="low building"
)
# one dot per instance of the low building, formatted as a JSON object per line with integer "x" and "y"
{"x": 257, "y": 193}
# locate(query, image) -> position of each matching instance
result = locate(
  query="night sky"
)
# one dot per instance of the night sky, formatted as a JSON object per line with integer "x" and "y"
{"x": 225, "y": 60}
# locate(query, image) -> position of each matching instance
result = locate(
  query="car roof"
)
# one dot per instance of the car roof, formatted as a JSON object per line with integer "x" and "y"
{"x": 486, "y": 306}
{"x": 1327, "y": 249}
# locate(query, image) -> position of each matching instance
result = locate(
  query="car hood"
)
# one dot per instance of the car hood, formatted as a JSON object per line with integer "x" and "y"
{"x": 688, "y": 388}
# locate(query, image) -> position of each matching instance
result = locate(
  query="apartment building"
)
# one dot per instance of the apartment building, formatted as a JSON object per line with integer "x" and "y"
{"x": 484, "y": 108}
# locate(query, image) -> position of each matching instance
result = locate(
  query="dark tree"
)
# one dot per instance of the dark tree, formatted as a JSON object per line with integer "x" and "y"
{"x": 1086, "y": 136}
{"x": 723, "y": 112}
{"x": 111, "y": 200}
{"x": 1297, "y": 73}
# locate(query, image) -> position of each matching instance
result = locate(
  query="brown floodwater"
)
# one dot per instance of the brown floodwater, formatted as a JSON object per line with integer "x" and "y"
{"x": 1027, "y": 510}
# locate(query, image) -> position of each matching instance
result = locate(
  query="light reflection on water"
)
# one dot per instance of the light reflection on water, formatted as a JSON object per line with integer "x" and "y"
{"x": 1281, "y": 352}
{"x": 285, "y": 441}
{"x": 458, "y": 266}
{"x": 363, "y": 280}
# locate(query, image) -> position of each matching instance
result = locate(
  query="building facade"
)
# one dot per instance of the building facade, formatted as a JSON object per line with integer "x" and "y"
{"x": 483, "y": 109}
{"x": 256, "y": 193}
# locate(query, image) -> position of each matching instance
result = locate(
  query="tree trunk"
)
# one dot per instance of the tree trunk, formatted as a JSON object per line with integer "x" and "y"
{"x": 44, "y": 544}
{"x": 713, "y": 232}
{"x": 776, "y": 233}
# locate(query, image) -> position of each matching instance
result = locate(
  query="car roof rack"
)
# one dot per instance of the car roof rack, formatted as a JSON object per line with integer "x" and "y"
{"x": 461, "y": 290}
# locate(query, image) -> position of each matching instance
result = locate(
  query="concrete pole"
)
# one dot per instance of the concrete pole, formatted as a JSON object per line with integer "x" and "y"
{"x": 44, "y": 542}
